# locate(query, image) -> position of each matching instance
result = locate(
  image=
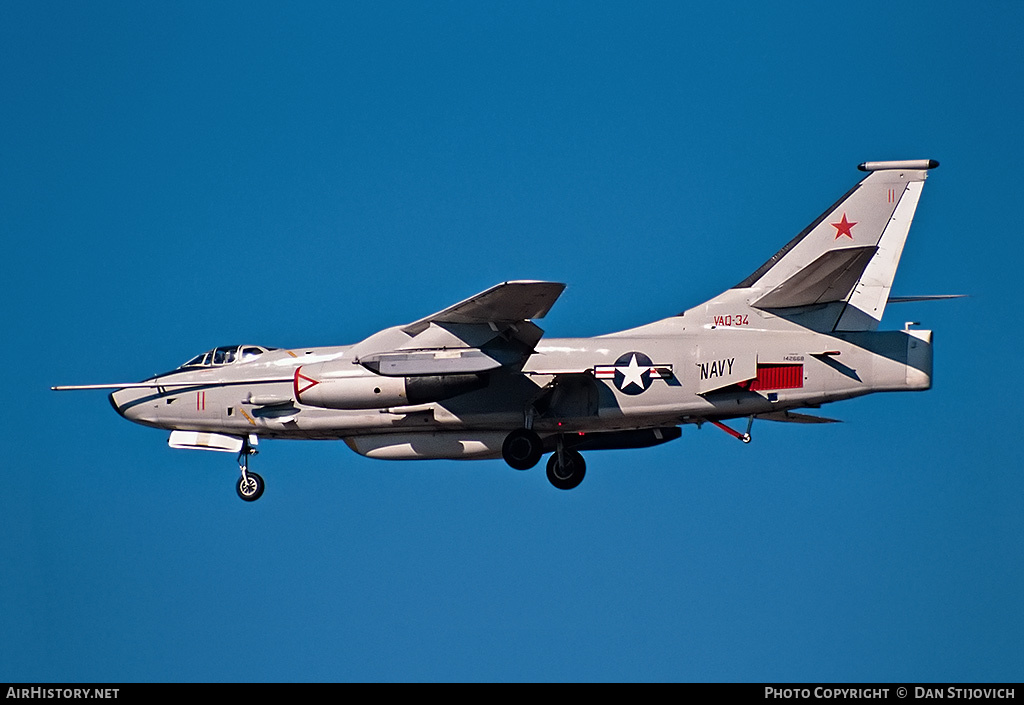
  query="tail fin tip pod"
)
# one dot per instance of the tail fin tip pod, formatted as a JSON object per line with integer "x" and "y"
{"x": 837, "y": 273}
{"x": 906, "y": 164}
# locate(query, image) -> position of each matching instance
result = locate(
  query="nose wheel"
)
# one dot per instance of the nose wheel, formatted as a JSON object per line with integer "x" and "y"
{"x": 250, "y": 485}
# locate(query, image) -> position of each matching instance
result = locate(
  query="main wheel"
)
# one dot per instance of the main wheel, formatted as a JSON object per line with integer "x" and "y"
{"x": 250, "y": 489}
{"x": 569, "y": 473}
{"x": 522, "y": 449}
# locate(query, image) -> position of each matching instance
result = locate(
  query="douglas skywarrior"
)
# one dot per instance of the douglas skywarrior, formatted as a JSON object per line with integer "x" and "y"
{"x": 478, "y": 380}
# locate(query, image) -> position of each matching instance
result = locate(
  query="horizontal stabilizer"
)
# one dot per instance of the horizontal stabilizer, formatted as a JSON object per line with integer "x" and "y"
{"x": 927, "y": 297}
{"x": 831, "y": 277}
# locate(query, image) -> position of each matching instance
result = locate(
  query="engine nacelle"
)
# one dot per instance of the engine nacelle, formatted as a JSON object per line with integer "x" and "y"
{"x": 338, "y": 385}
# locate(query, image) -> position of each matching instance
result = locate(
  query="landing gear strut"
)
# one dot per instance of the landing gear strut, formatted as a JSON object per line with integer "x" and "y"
{"x": 250, "y": 485}
{"x": 566, "y": 468}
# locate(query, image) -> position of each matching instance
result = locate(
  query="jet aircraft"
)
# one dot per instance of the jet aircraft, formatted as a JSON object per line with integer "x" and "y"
{"x": 478, "y": 380}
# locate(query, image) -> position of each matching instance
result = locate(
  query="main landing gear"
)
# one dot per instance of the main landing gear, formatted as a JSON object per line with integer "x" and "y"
{"x": 250, "y": 485}
{"x": 523, "y": 449}
{"x": 566, "y": 468}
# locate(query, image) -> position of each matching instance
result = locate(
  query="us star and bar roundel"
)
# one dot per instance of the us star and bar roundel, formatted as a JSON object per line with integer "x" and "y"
{"x": 633, "y": 372}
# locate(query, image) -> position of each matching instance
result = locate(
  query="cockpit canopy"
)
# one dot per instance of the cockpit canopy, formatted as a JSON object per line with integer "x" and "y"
{"x": 226, "y": 355}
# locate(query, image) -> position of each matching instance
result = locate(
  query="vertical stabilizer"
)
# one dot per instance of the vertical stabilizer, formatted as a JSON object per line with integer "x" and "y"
{"x": 836, "y": 274}
{"x": 867, "y": 303}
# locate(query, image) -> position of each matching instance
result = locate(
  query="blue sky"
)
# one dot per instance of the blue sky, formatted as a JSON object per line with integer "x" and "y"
{"x": 178, "y": 176}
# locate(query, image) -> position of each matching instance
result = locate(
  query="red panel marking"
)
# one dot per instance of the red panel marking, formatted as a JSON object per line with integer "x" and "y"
{"x": 778, "y": 377}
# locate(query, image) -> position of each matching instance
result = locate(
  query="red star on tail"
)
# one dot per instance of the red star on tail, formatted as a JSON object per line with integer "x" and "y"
{"x": 843, "y": 227}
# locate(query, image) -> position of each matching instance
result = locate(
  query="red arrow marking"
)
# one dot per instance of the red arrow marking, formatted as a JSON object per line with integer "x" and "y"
{"x": 306, "y": 388}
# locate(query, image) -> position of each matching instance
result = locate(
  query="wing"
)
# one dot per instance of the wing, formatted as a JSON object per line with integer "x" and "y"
{"x": 503, "y": 304}
{"x": 485, "y": 332}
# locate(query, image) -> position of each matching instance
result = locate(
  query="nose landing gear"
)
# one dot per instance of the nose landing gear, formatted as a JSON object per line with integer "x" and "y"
{"x": 250, "y": 485}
